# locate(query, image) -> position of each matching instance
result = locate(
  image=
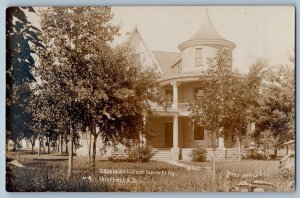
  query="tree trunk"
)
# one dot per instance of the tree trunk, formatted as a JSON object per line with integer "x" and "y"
{"x": 54, "y": 147}
{"x": 44, "y": 149}
{"x": 240, "y": 148}
{"x": 214, "y": 163}
{"x": 67, "y": 150}
{"x": 18, "y": 153}
{"x": 70, "y": 163}
{"x": 48, "y": 146}
{"x": 32, "y": 147}
{"x": 95, "y": 136}
{"x": 61, "y": 145}
{"x": 14, "y": 149}
{"x": 39, "y": 150}
{"x": 6, "y": 143}
{"x": 275, "y": 153}
{"x": 214, "y": 139}
{"x": 89, "y": 142}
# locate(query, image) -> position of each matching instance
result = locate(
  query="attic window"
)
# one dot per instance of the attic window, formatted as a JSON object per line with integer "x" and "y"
{"x": 137, "y": 59}
{"x": 198, "y": 56}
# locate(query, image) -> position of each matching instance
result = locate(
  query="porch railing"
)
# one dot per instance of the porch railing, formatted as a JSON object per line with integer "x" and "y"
{"x": 180, "y": 106}
{"x": 183, "y": 106}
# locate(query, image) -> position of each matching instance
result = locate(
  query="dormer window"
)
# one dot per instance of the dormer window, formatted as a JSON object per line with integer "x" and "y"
{"x": 198, "y": 57}
{"x": 137, "y": 59}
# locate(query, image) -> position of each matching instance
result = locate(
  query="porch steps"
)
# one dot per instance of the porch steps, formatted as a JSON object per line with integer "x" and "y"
{"x": 162, "y": 155}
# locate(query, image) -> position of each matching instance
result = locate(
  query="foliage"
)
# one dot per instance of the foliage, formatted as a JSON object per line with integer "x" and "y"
{"x": 22, "y": 39}
{"x": 140, "y": 154}
{"x": 133, "y": 154}
{"x": 210, "y": 110}
{"x": 198, "y": 154}
{"x": 85, "y": 83}
{"x": 231, "y": 99}
{"x": 255, "y": 155}
{"x": 287, "y": 167}
{"x": 267, "y": 142}
{"x": 277, "y": 108}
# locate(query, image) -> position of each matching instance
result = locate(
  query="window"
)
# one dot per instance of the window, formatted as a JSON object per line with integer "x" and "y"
{"x": 198, "y": 56}
{"x": 198, "y": 132}
{"x": 169, "y": 94}
{"x": 198, "y": 92}
{"x": 137, "y": 58}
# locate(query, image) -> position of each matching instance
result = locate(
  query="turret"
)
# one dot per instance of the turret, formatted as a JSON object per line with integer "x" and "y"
{"x": 203, "y": 44}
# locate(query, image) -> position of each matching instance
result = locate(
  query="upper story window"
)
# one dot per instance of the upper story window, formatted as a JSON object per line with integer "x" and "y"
{"x": 137, "y": 59}
{"x": 169, "y": 94}
{"x": 198, "y": 56}
{"x": 198, "y": 132}
{"x": 198, "y": 92}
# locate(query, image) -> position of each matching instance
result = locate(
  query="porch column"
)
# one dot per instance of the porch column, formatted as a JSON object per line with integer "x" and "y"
{"x": 175, "y": 131}
{"x": 175, "y": 95}
{"x": 142, "y": 133}
{"x": 175, "y": 150}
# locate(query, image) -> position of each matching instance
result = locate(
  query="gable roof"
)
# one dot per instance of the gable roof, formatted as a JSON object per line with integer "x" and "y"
{"x": 166, "y": 60}
{"x": 134, "y": 32}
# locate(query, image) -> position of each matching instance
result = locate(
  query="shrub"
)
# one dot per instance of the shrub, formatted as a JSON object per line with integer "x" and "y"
{"x": 143, "y": 154}
{"x": 134, "y": 154}
{"x": 255, "y": 155}
{"x": 198, "y": 154}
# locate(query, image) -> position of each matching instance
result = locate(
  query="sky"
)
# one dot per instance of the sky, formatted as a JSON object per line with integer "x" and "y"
{"x": 266, "y": 32}
{"x": 259, "y": 32}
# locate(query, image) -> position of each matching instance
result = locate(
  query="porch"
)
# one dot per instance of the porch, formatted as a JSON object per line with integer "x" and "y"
{"x": 170, "y": 135}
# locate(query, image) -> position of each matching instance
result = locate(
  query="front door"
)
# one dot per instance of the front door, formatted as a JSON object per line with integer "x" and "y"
{"x": 168, "y": 134}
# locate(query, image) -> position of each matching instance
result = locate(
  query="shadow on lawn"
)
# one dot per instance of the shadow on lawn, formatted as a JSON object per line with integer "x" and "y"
{"x": 49, "y": 160}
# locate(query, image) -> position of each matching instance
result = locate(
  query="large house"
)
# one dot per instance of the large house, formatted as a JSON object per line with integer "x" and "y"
{"x": 173, "y": 135}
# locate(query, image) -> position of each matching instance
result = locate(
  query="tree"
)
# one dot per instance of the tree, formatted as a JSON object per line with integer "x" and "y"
{"x": 84, "y": 82}
{"x": 242, "y": 101}
{"x": 22, "y": 38}
{"x": 277, "y": 111}
{"x": 210, "y": 111}
{"x": 267, "y": 142}
{"x": 230, "y": 99}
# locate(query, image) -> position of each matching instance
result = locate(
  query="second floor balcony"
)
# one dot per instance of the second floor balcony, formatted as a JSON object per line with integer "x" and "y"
{"x": 179, "y": 95}
{"x": 181, "y": 106}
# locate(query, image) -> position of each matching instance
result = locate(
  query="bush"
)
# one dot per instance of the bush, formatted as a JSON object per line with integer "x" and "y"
{"x": 143, "y": 154}
{"x": 198, "y": 154}
{"x": 255, "y": 155}
{"x": 134, "y": 154}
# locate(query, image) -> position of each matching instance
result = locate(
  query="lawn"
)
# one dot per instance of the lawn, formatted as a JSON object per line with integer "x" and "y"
{"x": 240, "y": 166}
{"x": 48, "y": 173}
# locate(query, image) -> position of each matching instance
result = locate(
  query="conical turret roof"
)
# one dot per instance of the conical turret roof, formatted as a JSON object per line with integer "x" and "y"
{"x": 206, "y": 33}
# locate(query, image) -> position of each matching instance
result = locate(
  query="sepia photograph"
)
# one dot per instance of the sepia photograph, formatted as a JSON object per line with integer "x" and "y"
{"x": 150, "y": 99}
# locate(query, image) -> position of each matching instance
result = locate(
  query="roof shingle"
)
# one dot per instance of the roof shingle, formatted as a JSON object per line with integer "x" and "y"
{"x": 166, "y": 60}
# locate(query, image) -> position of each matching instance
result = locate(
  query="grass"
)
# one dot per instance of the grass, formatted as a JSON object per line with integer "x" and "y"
{"x": 48, "y": 173}
{"x": 246, "y": 167}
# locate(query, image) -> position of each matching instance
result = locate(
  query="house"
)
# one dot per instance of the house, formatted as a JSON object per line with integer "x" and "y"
{"x": 173, "y": 135}
{"x": 285, "y": 145}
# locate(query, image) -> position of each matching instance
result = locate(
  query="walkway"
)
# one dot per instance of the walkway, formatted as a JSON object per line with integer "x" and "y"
{"x": 188, "y": 167}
